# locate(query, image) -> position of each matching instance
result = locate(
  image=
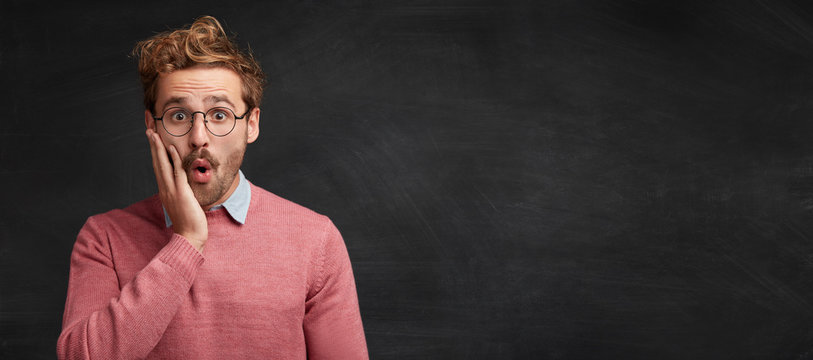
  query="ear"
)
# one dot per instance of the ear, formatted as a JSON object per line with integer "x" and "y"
{"x": 253, "y": 126}
{"x": 149, "y": 122}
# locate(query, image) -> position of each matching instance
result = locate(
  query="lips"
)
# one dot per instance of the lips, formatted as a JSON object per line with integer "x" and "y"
{"x": 201, "y": 171}
{"x": 200, "y": 166}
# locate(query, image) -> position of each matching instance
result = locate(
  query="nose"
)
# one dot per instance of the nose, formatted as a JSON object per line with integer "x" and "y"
{"x": 198, "y": 135}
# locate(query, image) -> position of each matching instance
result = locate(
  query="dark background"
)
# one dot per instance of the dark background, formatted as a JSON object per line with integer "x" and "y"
{"x": 546, "y": 180}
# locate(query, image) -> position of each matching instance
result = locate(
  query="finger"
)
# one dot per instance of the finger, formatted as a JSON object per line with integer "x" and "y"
{"x": 163, "y": 171}
{"x": 180, "y": 174}
{"x": 155, "y": 165}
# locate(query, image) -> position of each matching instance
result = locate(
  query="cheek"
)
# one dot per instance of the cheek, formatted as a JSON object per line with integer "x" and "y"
{"x": 232, "y": 146}
{"x": 233, "y": 154}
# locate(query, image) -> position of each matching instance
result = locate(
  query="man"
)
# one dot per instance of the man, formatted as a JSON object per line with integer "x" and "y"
{"x": 213, "y": 267}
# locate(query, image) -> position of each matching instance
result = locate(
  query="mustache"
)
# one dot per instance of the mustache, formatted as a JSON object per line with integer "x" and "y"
{"x": 202, "y": 154}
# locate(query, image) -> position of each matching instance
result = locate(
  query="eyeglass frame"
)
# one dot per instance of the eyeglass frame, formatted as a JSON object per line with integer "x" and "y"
{"x": 192, "y": 115}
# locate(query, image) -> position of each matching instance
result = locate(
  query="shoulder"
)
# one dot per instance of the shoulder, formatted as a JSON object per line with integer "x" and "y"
{"x": 273, "y": 207}
{"x": 101, "y": 229}
{"x": 145, "y": 212}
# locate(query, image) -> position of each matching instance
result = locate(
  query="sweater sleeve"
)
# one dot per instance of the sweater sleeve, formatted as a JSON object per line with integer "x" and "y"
{"x": 103, "y": 321}
{"x": 332, "y": 323}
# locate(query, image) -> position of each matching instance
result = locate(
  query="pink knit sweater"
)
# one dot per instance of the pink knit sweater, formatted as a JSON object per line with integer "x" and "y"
{"x": 278, "y": 287}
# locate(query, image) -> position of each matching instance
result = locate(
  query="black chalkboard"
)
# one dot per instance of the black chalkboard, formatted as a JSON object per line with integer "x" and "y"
{"x": 531, "y": 180}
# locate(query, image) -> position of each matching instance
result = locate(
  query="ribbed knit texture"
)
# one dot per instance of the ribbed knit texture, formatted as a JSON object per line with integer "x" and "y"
{"x": 278, "y": 287}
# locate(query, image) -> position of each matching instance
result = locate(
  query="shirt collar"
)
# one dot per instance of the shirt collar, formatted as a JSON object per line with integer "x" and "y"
{"x": 236, "y": 205}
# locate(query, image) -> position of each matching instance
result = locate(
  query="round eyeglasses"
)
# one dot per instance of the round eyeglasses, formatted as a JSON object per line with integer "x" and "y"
{"x": 220, "y": 121}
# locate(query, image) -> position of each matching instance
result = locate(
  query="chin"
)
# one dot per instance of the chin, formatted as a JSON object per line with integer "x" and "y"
{"x": 205, "y": 197}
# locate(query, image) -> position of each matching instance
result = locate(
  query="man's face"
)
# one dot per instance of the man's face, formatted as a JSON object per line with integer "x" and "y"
{"x": 211, "y": 162}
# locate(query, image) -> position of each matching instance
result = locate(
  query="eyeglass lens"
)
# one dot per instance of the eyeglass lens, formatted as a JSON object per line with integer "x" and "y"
{"x": 178, "y": 121}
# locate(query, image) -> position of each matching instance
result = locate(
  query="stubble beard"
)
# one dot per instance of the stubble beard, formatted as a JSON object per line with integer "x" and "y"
{"x": 222, "y": 179}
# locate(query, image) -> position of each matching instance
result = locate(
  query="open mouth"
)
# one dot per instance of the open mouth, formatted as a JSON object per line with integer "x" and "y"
{"x": 201, "y": 170}
{"x": 201, "y": 165}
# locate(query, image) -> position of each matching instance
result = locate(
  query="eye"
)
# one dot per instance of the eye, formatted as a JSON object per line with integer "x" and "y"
{"x": 219, "y": 115}
{"x": 177, "y": 115}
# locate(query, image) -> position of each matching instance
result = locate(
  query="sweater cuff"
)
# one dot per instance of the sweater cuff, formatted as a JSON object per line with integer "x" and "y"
{"x": 180, "y": 255}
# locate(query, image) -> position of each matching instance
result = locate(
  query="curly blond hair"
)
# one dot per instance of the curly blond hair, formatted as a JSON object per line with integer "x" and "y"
{"x": 203, "y": 43}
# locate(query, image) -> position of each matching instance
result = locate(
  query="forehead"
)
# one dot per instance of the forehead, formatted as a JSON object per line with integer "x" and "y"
{"x": 199, "y": 86}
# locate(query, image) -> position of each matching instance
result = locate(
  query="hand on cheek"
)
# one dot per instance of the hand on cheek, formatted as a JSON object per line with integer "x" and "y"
{"x": 188, "y": 219}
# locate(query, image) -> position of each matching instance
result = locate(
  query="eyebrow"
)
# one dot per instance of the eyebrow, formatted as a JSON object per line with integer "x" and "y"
{"x": 211, "y": 99}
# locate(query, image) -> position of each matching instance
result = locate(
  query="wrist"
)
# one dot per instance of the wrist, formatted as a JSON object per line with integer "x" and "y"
{"x": 196, "y": 240}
